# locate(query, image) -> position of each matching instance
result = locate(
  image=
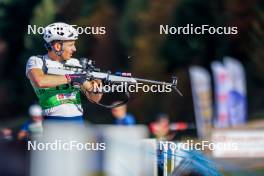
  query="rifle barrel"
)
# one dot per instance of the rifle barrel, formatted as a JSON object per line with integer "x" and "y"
{"x": 160, "y": 83}
{"x": 152, "y": 81}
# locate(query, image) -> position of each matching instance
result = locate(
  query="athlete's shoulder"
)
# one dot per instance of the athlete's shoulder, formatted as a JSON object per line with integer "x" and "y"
{"x": 35, "y": 60}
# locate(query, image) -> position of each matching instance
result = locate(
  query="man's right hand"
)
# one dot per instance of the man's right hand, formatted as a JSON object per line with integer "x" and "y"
{"x": 41, "y": 80}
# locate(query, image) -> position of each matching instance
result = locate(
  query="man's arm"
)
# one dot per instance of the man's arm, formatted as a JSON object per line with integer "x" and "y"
{"x": 41, "y": 80}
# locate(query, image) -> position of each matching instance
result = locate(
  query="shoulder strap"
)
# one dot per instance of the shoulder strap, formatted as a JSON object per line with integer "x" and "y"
{"x": 44, "y": 68}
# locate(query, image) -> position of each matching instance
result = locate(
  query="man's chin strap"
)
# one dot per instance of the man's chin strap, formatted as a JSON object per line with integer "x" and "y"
{"x": 59, "y": 53}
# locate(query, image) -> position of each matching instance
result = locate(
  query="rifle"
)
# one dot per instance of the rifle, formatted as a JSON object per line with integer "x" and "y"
{"x": 88, "y": 68}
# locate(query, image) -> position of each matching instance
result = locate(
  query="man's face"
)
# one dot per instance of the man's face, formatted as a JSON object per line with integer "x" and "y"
{"x": 68, "y": 49}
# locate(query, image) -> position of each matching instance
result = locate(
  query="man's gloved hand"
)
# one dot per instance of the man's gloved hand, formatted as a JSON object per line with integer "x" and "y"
{"x": 91, "y": 88}
{"x": 78, "y": 79}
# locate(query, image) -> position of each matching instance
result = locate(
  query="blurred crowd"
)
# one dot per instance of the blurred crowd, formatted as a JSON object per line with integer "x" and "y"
{"x": 160, "y": 128}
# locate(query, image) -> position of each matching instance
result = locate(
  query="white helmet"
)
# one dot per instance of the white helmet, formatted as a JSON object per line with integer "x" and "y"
{"x": 59, "y": 31}
{"x": 35, "y": 110}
